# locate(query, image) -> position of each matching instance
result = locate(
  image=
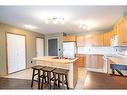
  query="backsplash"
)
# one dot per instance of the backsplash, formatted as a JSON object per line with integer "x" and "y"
{"x": 121, "y": 50}
{"x": 96, "y": 50}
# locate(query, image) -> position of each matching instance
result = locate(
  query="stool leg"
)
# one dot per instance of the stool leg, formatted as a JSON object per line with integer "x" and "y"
{"x": 38, "y": 79}
{"x": 54, "y": 75}
{"x": 42, "y": 84}
{"x": 66, "y": 81}
{"x": 44, "y": 76}
{"x": 58, "y": 80}
{"x": 42, "y": 80}
{"x": 49, "y": 79}
{"x": 62, "y": 80}
{"x": 46, "y": 79}
{"x": 32, "y": 78}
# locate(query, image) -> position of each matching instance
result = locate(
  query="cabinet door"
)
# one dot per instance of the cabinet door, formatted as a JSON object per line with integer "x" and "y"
{"x": 91, "y": 61}
{"x": 100, "y": 62}
{"x": 99, "y": 39}
{"x": 88, "y": 61}
{"x": 107, "y": 38}
{"x": 81, "y": 60}
{"x": 88, "y": 40}
{"x": 115, "y": 30}
{"x": 80, "y": 41}
{"x": 94, "y": 61}
{"x": 94, "y": 40}
{"x": 122, "y": 32}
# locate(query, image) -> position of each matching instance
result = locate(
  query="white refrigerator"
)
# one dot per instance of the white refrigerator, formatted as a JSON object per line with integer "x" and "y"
{"x": 69, "y": 49}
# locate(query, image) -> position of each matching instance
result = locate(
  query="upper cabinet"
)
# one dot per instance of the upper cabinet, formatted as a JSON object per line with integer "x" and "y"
{"x": 90, "y": 40}
{"x": 98, "y": 39}
{"x": 122, "y": 31}
{"x": 80, "y": 41}
{"x": 102, "y": 39}
{"x": 69, "y": 38}
{"x": 107, "y": 38}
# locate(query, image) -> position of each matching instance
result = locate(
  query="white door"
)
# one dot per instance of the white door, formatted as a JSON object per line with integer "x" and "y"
{"x": 40, "y": 47}
{"x": 16, "y": 52}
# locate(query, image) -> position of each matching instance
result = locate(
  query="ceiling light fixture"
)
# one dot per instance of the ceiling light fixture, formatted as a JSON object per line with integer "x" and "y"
{"x": 83, "y": 26}
{"x": 54, "y": 20}
{"x": 30, "y": 26}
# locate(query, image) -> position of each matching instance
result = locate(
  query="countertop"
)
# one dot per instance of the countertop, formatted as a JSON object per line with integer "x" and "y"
{"x": 52, "y": 59}
{"x": 118, "y": 59}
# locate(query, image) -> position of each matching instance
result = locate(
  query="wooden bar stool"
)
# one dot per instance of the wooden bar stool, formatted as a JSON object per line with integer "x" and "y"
{"x": 47, "y": 76}
{"x": 37, "y": 68}
{"x": 58, "y": 74}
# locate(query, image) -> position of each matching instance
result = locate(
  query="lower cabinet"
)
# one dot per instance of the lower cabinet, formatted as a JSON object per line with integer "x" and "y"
{"x": 81, "y": 60}
{"x": 94, "y": 61}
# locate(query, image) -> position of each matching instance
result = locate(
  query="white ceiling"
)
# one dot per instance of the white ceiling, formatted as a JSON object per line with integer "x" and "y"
{"x": 98, "y": 18}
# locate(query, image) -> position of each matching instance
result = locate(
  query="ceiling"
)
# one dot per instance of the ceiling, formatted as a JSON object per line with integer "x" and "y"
{"x": 97, "y": 18}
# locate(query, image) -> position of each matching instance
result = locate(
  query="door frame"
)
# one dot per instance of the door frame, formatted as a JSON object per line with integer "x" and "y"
{"x": 7, "y": 50}
{"x": 36, "y": 45}
{"x": 57, "y": 43}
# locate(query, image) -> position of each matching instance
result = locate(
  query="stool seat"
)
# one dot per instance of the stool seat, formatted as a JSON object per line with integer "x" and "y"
{"x": 60, "y": 71}
{"x": 48, "y": 69}
{"x": 38, "y": 67}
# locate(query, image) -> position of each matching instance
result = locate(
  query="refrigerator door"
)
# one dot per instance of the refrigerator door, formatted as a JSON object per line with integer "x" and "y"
{"x": 69, "y": 49}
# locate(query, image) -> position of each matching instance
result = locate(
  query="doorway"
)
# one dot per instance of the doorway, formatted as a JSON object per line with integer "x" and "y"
{"x": 53, "y": 47}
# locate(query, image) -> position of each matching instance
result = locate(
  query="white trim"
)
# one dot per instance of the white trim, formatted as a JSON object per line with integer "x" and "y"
{"x": 57, "y": 43}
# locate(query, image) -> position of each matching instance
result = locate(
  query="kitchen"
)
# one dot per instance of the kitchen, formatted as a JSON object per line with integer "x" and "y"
{"x": 87, "y": 52}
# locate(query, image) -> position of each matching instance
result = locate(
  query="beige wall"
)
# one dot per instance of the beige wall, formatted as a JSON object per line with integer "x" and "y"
{"x": 30, "y": 45}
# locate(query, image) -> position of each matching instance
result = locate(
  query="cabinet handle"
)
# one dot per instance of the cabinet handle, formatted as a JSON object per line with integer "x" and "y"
{"x": 124, "y": 42}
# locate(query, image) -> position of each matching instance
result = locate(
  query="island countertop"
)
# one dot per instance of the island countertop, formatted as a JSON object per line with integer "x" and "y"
{"x": 55, "y": 59}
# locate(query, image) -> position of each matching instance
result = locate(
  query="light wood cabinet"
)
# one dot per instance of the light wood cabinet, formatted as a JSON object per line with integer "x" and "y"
{"x": 96, "y": 40}
{"x": 99, "y": 40}
{"x": 80, "y": 41}
{"x": 94, "y": 61}
{"x": 107, "y": 38}
{"x": 81, "y": 60}
{"x": 115, "y": 30}
{"x": 122, "y": 32}
{"x": 90, "y": 40}
{"x": 69, "y": 38}
{"x": 100, "y": 62}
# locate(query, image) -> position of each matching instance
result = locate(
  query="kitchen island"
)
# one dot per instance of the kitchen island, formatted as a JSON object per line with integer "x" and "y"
{"x": 69, "y": 64}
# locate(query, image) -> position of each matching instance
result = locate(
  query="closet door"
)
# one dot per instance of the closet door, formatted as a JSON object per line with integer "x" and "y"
{"x": 16, "y": 52}
{"x": 39, "y": 47}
